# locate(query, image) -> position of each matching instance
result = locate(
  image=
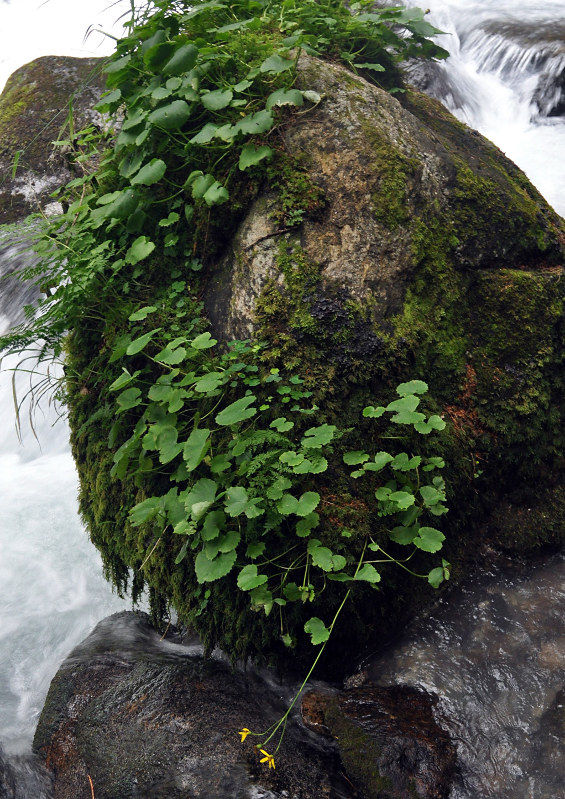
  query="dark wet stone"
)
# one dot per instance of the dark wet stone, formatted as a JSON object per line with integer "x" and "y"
{"x": 389, "y": 742}
{"x": 145, "y": 719}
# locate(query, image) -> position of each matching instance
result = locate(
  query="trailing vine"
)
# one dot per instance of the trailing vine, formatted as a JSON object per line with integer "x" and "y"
{"x": 228, "y": 461}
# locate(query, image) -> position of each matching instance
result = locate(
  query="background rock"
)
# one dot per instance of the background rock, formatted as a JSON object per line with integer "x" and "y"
{"x": 34, "y": 107}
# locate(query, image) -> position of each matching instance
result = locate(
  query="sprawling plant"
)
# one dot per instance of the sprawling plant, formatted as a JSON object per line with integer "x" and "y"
{"x": 230, "y": 460}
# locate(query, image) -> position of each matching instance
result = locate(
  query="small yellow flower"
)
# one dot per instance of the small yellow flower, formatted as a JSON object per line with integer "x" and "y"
{"x": 267, "y": 759}
{"x": 244, "y": 733}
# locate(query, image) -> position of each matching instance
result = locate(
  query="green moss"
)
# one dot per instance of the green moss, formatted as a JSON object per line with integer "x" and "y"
{"x": 359, "y": 754}
{"x": 395, "y": 173}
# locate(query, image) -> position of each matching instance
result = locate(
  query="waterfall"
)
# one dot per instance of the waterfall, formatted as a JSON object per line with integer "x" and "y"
{"x": 52, "y": 590}
{"x": 506, "y": 78}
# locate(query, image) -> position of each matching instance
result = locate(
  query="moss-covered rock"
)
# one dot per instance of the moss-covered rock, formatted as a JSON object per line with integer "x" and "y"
{"x": 388, "y": 242}
{"x": 34, "y": 109}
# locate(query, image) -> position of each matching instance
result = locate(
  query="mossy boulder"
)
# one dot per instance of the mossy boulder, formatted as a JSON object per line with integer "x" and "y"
{"x": 34, "y": 109}
{"x": 434, "y": 258}
{"x": 388, "y": 242}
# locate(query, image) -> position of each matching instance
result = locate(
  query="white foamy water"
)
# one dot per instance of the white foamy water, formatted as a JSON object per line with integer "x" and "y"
{"x": 502, "y": 54}
{"x": 52, "y": 590}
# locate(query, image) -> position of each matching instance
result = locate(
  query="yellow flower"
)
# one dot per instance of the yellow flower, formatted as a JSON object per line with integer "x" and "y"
{"x": 244, "y": 733}
{"x": 267, "y": 759}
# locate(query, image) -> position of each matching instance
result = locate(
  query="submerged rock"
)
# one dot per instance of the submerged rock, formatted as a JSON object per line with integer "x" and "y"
{"x": 388, "y": 739}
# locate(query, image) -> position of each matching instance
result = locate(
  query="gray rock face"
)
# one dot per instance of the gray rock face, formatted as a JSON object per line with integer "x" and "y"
{"x": 383, "y": 167}
{"x": 34, "y": 107}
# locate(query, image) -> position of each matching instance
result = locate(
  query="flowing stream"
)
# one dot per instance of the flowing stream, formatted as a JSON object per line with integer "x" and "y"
{"x": 496, "y": 652}
{"x": 52, "y": 590}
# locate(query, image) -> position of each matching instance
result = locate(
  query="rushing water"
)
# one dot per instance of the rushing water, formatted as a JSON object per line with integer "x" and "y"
{"x": 52, "y": 590}
{"x": 495, "y": 654}
{"x": 502, "y": 79}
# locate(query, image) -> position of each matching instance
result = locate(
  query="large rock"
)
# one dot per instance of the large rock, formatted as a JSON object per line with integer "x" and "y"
{"x": 148, "y": 718}
{"x": 392, "y": 243}
{"x": 142, "y": 717}
{"x": 422, "y": 252}
{"x": 34, "y": 109}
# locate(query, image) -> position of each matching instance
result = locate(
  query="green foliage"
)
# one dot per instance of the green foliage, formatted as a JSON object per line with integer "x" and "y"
{"x": 225, "y": 462}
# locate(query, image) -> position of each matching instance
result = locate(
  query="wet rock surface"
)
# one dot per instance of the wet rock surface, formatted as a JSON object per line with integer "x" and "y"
{"x": 389, "y": 741}
{"x": 145, "y": 718}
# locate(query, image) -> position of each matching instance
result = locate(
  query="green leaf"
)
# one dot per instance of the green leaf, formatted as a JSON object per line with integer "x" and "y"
{"x": 248, "y": 579}
{"x": 237, "y": 412}
{"x": 307, "y": 466}
{"x": 352, "y": 458}
{"x": 130, "y": 398}
{"x": 317, "y": 630}
{"x": 143, "y": 313}
{"x": 403, "y": 535}
{"x": 214, "y": 523}
{"x": 141, "y": 248}
{"x": 206, "y": 134}
{"x": 287, "y": 505}
{"x": 171, "y": 356}
{"x": 123, "y": 379}
{"x": 321, "y": 556}
{"x": 292, "y": 592}
{"x": 317, "y": 437}
{"x": 203, "y": 342}
{"x": 275, "y": 64}
{"x": 429, "y": 539}
{"x": 431, "y": 495}
{"x": 291, "y": 458}
{"x": 374, "y": 67}
{"x": 312, "y": 97}
{"x": 216, "y": 100}
{"x": 150, "y": 173}
{"x": 251, "y": 155}
{"x": 282, "y": 425}
{"x": 368, "y": 574}
{"x": 381, "y": 460}
{"x": 216, "y": 194}
{"x": 255, "y": 550}
{"x": 413, "y": 387}
{"x": 436, "y": 577}
{"x": 408, "y": 417}
{"x": 172, "y": 116}
{"x": 155, "y": 56}
{"x": 284, "y": 97}
{"x": 370, "y": 412}
{"x": 307, "y": 503}
{"x": 196, "y": 447}
{"x": 403, "y": 463}
{"x": 253, "y": 124}
{"x": 140, "y": 343}
{"x": 402, "y": 498}
{"x": 208, "y": 571}
{"x": 408, "y": 403}
{"x": 209, "y": 382}
{"x": 277, "y": 489}
{"x": 203, "y": 492}
{"x": 183, "y": 60}
{"x": 145, "y": 511}
{"x": 236, "y": 500}
{"x": 307, "y": 524}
